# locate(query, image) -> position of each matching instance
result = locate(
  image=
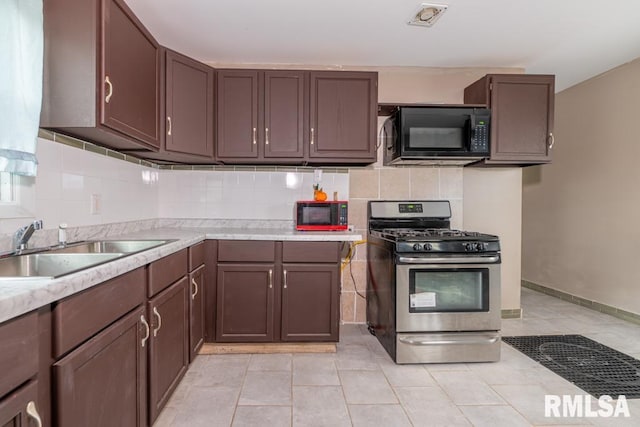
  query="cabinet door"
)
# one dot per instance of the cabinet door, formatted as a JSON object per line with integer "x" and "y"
{"x": 343, "y": 116}
{"x": 310, "y": 302}
{"x": 245, "y": 302}
{"x": 189, "y": 106}
{"x": 130, "y": 84}
{"x": 196, "y": 310}
{"x": 19, "y": 408}
{"x": 104, "y": 381}
{"x": 169, "y": 343}
{"x": 522, "y": 118}
{"x": 284, "y": 101}
{"x": 237, "y": 125}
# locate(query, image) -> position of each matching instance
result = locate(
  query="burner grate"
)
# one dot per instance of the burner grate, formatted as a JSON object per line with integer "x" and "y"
{"x": 595, "y": 368}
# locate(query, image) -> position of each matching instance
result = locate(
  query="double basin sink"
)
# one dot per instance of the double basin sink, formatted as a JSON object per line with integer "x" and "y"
{"x": 60, "y": 261}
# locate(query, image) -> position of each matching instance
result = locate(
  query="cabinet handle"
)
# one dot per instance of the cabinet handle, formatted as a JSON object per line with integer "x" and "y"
{"x": 312, "y": 135}
{"x": 254, "y": 136}
{"x": 266, "y": 138}
{"x": 146, "y": 329}
{"x": 155, "y": 331}
{"x": 284, "y": 276}
{"x": 195, "y": 286}
{"x": 169, "y": 125}
{"x": 270, "y": 278}
{"x": 552, "y": 140}
{"x": 32, "y": 412}
{"x": 110, "y": 92}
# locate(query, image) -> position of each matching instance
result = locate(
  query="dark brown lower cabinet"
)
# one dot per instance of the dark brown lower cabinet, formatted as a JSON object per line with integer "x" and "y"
{"x": 196, "y": 301}
{"x": 245, "y": 303}
{"x": 269, "y": 291}
{"x": 310, "y": 302}
{"x": 19, "y": 409}
{"x": 169, "y": 341}
{"x": 103, "y": 382}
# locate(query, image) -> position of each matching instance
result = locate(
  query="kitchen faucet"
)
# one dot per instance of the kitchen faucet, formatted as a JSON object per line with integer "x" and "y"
{"x": 22, "y": 236}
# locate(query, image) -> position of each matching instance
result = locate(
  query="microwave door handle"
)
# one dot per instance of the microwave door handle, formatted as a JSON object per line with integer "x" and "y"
{"x": 472, "y": 119}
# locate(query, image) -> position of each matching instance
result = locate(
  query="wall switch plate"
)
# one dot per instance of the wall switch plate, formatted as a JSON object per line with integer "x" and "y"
{"x": 95, "y": 204}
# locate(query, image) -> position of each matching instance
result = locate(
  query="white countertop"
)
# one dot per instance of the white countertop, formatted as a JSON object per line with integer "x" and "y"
{"x": 24, "y": 295}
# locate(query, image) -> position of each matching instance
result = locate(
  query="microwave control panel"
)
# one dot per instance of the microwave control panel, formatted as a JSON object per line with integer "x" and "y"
{"x": 480, "y": 137}
{"x": 343, "y": 214}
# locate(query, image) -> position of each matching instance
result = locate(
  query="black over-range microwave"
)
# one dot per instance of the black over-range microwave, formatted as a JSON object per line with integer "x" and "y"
{"x": 426, "y": 135}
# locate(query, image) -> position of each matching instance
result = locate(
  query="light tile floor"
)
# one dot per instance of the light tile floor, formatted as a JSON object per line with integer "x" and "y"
{"x": 360, "y": 385}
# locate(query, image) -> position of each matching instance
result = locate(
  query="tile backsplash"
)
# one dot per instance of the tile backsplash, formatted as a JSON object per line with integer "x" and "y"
{"x": 243, "y": 194}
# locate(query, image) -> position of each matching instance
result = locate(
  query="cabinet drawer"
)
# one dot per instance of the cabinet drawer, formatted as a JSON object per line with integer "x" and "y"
{"x": 245, "y": 250}
{"x": 81, "y": 316}
{"x": 19, "y": 354}
{"x": 167, "y": 270}
{"x": 311, "y": 252}
{"x": 196, "y": 256}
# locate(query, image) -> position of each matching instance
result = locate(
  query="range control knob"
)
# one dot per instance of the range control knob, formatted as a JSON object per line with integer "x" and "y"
{"x": 417, "y": 247}
{"x": 427, "y": 246}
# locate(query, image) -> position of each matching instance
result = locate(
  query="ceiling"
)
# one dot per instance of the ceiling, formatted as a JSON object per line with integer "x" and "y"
{"x": 574, "y": 39}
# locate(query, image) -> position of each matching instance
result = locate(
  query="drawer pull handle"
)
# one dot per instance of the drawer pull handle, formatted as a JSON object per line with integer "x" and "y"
{"x": 195, "y": 287}
{"x": 270, "y": 279}
{"x": 155, "y": 331}
{"x": 169, "y": 125}
{"x": 551, "y": 139}
{"x": 32, "y": 412}
{"x": 110, "y": 92}
{"x": 146, "y": 329}
{"x": 284, "y": 275}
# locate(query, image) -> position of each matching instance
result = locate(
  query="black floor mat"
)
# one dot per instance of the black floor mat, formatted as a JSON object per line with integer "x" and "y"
{"x": 595, "y": 368}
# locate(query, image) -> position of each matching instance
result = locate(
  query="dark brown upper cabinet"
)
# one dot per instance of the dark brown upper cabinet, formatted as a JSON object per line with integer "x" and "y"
{"x": 282, "y": 116}
{"x": 260, "y": 116}
{"x": 189, "y": 111}
{"x": 102, "y": 75}
{"x": 521, "y": 116}
{"x": 343, "y": 117}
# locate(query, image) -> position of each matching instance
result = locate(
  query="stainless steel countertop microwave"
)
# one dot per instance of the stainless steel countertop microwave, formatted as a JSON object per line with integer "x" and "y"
{"x": 431, "y": 134}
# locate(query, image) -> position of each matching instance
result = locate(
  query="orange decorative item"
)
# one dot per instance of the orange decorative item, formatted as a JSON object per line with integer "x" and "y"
{"x": 318, "y": 194}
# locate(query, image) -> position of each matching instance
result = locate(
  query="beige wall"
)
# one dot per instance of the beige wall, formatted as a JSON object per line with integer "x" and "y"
{"x": 581, "y": 214}
{"x": 493, "y": 204}
{"x": 488, "y": 200}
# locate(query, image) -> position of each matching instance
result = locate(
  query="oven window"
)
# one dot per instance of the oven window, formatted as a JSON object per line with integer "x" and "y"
{"x": 316, "y": 215}
{"x": 448, "y": 290}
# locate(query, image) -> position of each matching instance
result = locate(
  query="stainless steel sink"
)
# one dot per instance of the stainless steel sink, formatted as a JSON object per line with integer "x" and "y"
{"x": 50, "y": 265}
{"x": 109, "y": 246}
{"x": 56, "y": 262}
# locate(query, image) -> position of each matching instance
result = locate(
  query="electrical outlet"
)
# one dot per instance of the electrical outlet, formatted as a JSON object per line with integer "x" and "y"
{"x": 95, "y": 204}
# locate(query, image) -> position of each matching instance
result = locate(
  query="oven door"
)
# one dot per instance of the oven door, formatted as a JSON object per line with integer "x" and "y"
{"x": 450, "y": 294}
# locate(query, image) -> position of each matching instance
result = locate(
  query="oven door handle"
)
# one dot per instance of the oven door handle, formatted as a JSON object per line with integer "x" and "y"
{"x": 451, "y": 260}
{"x": 431, "y": 341}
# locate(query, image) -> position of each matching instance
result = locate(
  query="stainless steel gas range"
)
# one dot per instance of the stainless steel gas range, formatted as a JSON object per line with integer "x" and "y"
{"x": 433, "y": 294}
